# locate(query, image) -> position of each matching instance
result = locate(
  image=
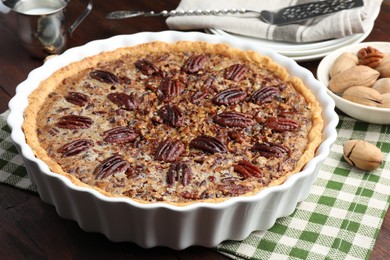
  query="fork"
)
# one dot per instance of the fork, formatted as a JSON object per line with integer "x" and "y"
{"x": 283, "y": 16}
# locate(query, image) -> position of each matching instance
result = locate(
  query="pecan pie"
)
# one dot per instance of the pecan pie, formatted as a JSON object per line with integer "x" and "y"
{"x": 177, "y": 123}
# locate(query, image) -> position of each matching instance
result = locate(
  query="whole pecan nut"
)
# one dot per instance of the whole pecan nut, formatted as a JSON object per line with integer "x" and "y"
{"x": 169, "y": 150}
{"x": 235, "y": 72}
{"x": 370, "y": 56}
{"x": 75, "y": 147}
{"x": 120, "y": 135}
{"x": 77, "y": 98}
{"x": 281, "y": 124}
{"x": 229, "y": 96}
{"x": 234, "y": 119}
{"x": 146, "y": 67}
{"x": 264, "y": 95}
{"x": 110, "y": 166}
{"x": 208, "y": 144}
{"x": 128, "y": 102}
{"x": 74, "y": 122}
{"x": 247, "y": 169}
{"x": 179, "y": 171}
{"x": 104, "y": 76}
{"x": 269, "y": 150}
{"x": 194, "y": 63}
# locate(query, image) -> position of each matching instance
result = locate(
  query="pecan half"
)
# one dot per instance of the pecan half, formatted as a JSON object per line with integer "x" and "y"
{"x": 179, "y": 171}
{"x": 171, "y": 115}
{"x": 191, "y": 195}
{"x": 74, "y": 122}
{"x": 77, "y": 98}
{"x": 104, "y": 76}
{"x": 264, "y": 95}
{"x": 232, "y": 188}
{"x": 125, "y": 80}
{"x": 229, "y": 96}
{"x": 208, "y": 144}
{"x": 208, "y": 84}
{"x": 194, "y": 63}
{"x": 75, "y": 147}
{"x": 110, "y": 166}
{"x": 234, "y": 119}
{"x": 281, "y": 124}
{"x": 235, "y": 72}
{"x": 146, "y": 67}
{"x": 198, "y": 96}
{"x": 169, "y": 150}
{"x": 170, "y": 88}
{"x": 247, "y": 169}
{"x": 120, "y": 135}
{"x": 128, "y": 102}
{"x": 370, "y": 56}
{"x": 269, "y": 150}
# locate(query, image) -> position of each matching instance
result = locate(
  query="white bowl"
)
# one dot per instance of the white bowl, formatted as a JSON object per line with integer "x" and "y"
{"x": 160, "y": 224}
{"x": 364, "y": 113}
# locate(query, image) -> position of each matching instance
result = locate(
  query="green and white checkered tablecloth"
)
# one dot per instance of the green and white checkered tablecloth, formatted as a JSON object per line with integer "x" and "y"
{"x": 340, "y": 219}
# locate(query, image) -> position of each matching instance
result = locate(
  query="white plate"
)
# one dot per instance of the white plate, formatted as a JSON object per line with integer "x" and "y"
{"x": 364, "y": 113}
{"x": 300, "y": 51}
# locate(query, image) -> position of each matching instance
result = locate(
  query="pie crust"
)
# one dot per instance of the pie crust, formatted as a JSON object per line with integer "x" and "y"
{"x": 177, "y": 123}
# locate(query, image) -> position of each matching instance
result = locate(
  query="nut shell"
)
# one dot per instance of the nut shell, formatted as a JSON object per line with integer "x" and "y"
{"x": 382, "y": 85}
{"x": 362, "y": 155}
{"x": 343, "y": 62}
{"x": 384, "y": 67}
{"x": 359, "y": 75}
{"x": 386, "y": 100}
{"x": 363, "y": 95}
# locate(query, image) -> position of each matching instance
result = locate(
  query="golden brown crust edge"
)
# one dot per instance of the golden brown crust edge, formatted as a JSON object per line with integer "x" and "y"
{"x": 37, "y": 98}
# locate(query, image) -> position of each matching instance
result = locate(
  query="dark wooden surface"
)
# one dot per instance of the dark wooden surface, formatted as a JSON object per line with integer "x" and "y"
{"x": 32, "y": 229}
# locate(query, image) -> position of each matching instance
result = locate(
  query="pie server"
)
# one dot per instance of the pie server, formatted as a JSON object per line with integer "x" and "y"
{"x": 285, "y": 15}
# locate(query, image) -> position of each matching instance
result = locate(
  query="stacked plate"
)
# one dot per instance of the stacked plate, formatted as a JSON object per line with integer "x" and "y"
{"x": 300, "y": 51}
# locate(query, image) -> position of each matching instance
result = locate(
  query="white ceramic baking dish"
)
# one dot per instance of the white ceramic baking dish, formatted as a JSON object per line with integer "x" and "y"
{"x": 159, "y": 224}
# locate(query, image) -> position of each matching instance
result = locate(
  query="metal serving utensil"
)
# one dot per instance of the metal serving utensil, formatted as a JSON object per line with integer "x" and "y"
{"x": 283, "y": 16}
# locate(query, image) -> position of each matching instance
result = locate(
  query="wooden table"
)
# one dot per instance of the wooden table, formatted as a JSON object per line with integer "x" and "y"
{"x": 31, "y": 228}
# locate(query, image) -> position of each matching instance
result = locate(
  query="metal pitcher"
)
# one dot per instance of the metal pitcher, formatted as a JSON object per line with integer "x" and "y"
{"x": 42, "y": 24}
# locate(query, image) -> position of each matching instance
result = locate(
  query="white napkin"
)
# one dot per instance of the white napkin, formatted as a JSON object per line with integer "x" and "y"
{"x": 4, "y": 9}
{"x": 336, "y": 25}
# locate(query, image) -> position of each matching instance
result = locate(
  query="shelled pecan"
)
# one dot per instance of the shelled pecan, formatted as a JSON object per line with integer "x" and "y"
{"x": 370, "y": 56}
{"x": 77, "y": 98}
{"x": 169, "y": 150}
{"x": 194, "y": 63}
{"x": 74, "y": 122}
{"x": 110, "y": 166}
{"x": 120, "y": 135}
{"x": 235, "y": 72}
{"x": 146, "y": 67}
{"x": 229, "y": 96}
{"x": 104, "y": 76}
{"x": 247, "y": 169}
{"x": 179, "y": 171}
{"x": 234, "y": 119}
{"x": 75, "y": 147}
{"x": 208, "y": 144}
